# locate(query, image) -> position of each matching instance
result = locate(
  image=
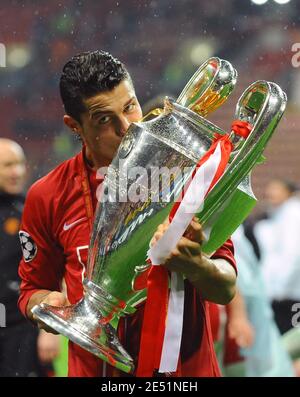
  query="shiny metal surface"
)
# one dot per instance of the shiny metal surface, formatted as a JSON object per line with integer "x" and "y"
{"x": 209, "y": 87}
{"x": 85, "y": 325}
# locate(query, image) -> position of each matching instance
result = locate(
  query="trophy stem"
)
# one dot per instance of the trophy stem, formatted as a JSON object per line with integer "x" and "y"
{"x": 88, "y": 324}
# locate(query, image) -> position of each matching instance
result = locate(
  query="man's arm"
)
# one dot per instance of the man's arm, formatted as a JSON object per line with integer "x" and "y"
{"x": 41, "y": 270}
{"x": 214, "y": 278}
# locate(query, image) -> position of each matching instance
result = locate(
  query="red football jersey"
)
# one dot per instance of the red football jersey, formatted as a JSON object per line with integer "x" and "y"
{"x": 55, "y": 233}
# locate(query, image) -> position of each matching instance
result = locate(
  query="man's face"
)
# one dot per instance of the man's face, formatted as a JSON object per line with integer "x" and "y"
{"x": 276, "y": 193}
{"x": 107, "y": 120}
{"x": 12, "y": 168}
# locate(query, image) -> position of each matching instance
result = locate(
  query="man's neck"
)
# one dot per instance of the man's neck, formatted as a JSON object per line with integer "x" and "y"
{"x": 93, "y": 162}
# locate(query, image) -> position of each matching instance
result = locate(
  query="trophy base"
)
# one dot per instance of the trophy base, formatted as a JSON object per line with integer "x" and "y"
{"x": 85, "y": 325}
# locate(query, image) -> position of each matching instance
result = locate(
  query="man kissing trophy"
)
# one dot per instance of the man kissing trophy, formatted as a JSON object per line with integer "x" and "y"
{"x": 210, "y": 178}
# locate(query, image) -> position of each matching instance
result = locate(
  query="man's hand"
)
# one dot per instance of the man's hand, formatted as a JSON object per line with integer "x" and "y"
{"x": 241, "y": 331}
{"x": 188, "y": 248}
{"x": 48, "y": 346}
{"x": 238, "y": 324}
{"x": 214, "y": 278}
{"x": 52, "y": 298}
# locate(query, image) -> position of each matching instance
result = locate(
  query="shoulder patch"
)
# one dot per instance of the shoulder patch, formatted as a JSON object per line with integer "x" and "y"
{"x": 29, "y": 247}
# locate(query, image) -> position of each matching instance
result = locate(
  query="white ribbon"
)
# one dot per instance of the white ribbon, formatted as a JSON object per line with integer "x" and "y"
{"x": 173, "y": 332}
{"x": 192, "y": 200}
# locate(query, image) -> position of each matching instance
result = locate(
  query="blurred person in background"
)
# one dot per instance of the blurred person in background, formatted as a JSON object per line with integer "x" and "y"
{"x": 252, "y": 331}
{"x": 23, "y": 351}
{"x": 278, "y": 237}
{"x": 100, "y": 104}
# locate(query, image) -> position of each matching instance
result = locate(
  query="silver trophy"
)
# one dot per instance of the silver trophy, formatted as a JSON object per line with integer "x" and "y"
{"x": 176, "y": 138}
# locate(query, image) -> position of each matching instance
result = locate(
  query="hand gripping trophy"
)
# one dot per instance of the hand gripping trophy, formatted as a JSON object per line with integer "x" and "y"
{"x": 179, "y": 138}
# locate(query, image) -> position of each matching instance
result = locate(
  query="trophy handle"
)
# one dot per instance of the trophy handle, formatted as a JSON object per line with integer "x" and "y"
{"x": 262, "y": 105}
{"x": 209, "y": 87}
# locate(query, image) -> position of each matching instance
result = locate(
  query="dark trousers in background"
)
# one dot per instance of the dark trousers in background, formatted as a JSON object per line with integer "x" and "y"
{"x": 283, "y": 314}
{"x": 18, "y": 351}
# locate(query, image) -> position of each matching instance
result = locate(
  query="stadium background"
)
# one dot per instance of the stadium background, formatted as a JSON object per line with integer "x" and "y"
{"x": 162, "y": 42}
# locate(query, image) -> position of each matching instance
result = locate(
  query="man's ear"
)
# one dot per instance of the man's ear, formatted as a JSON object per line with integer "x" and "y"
{"x": 73, "y": 124}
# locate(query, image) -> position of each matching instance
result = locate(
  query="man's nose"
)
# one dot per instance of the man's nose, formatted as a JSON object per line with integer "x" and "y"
{"x": 123, "y": 126}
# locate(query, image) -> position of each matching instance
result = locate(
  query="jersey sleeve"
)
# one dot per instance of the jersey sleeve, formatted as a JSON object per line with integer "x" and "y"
{"x": 226, "y": 251}
{"x": 42, "y": 263}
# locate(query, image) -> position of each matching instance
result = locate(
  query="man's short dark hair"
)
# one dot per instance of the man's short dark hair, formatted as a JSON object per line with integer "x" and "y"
{"x": 88, "y": 74}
